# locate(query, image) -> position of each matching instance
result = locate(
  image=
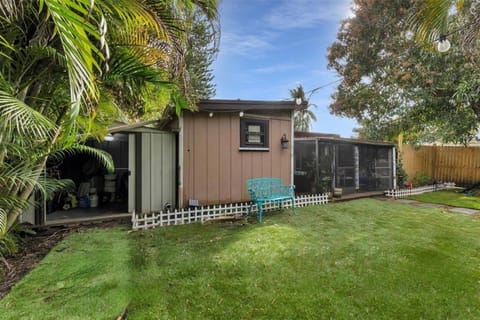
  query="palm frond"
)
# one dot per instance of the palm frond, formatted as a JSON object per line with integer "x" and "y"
{"x": 5, "y": 45}
{"x": 11, "y": 8}
{"x": 8, "y": 245}
{"x": 179, "y": 102}
{"x": 126, "y": 65}
{"x": 109, "y": 111}
{"x": 429, "y": 21}
{"x": 7, "y": 202}
{"x": 101, "y": 156}
{"x": 19, "y": 175}
{"x": 21, "y": 118}
{"x": 3, "y": 222}
{"x": 156, "y": 99}
{"x": 132, "y": 15}
{"x": 76, "y": 26}
{"x": 37, "y": 52}
{"x": 310, "y": 114}
{"x": 13, "y": 148}
{"x": 96, "y": 124}
{"x": 51, "y": 186}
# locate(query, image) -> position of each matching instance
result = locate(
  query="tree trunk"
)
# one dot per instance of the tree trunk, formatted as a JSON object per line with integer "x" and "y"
{"x": 24, "y": 194}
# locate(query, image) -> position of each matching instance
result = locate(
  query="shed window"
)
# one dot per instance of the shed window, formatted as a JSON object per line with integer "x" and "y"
{"x": 253, "y": 134}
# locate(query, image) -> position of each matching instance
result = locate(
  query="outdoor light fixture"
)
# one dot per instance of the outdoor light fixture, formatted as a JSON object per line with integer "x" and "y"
{"x": 284, "y": 141}
{"x": 298, "y": 101}
{"x": 241, "y": 114}
{"x": 210, "y": 114}
{"x": 443, "y": 44}
{"x": 109, "y": 137}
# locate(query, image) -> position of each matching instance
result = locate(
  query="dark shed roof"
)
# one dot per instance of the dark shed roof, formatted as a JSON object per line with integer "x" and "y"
{"x": 304, "y": 136}
{"x": 246, "y": 105}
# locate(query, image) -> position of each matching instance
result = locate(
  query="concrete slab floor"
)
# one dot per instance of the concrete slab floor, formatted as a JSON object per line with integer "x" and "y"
{"x": 464, "y": 210}
{"x": 437, "y": 205}
{"x": 431, "y": 205}
{"x": 406, "y": 201}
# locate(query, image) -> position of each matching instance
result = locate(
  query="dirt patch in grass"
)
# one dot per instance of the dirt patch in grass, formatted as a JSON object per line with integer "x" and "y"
{"x": 34, "y": 247}
{"x": 232, "y": 221}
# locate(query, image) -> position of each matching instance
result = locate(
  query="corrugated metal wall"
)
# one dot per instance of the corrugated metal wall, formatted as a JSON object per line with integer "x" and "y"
{"x": 450, "y": 164}
{"x": 157, "y": 171}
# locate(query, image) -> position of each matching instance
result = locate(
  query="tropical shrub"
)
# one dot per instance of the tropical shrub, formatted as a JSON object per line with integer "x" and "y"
{"x": 69, "y": 68}
{"x": 421, "y": 179}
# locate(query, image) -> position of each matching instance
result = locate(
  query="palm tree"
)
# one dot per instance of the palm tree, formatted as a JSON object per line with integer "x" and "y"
{"x": 66, "y": 66}
{"x": 303, "y": 117}
{"x": 432, "y": 19}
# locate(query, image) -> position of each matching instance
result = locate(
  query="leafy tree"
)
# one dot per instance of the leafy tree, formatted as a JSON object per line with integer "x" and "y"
{"x": 68, "y": 68}
{"x": 392, "y": 85}
{"x": 431, "y": 19}
{"x": 202, "y": 48}
{"x": 303, "y": 117}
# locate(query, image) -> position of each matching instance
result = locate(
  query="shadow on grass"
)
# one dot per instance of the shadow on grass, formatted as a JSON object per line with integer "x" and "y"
{"x": 361, "y": 259}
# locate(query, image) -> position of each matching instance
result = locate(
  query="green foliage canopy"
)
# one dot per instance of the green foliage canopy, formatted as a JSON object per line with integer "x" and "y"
{"x": 69, "y": 68}
{"x": 392, "y": 84}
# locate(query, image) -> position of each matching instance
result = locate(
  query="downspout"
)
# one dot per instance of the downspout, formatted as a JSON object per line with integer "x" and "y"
{"x": 292, "y": 147}
{"x": 180, "y": 162}
{"x": 317, "y": 169}
{"x": 394, "y": 164}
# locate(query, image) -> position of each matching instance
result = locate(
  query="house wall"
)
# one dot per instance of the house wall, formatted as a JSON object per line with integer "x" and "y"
{"x": 215, "y": 171}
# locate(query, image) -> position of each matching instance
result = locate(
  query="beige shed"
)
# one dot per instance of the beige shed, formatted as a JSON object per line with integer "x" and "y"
{"x": 227, "y": 142}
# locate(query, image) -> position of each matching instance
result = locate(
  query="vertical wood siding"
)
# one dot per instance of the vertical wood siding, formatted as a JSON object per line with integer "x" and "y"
{"x": 215, "y": 171}
{"x": 456, "y": 164}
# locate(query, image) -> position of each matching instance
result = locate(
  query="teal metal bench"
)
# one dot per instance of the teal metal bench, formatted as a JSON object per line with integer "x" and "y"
{"x": 269, "y": 189}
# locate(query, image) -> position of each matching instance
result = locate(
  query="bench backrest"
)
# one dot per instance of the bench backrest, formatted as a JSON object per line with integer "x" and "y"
{"x": 263, "y": 187}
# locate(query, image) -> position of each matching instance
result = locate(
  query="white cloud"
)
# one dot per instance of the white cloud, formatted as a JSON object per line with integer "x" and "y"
{"x": 277, "y": 68}
{"x": 245, "y": 44}
{"x": 289, "y": 14}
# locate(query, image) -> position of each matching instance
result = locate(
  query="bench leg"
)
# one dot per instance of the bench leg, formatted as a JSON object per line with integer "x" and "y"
{"x": 260, "y": 211}
{"x": 293, "y": 206}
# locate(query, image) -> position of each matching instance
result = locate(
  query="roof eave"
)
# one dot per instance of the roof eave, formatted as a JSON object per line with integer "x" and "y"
{"x": 245, "y": 105}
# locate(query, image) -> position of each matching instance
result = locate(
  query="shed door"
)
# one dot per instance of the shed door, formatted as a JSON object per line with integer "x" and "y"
{"x": 155, "y": 166}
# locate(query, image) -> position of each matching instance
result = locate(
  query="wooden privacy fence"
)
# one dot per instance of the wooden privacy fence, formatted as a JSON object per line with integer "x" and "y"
{"x": 402, "y": 193}
{"x": 459, "y": 164}
{"x": 201, "y": 214}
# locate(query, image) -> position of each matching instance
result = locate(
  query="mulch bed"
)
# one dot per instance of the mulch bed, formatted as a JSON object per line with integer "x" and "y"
{"x": 32, "y": 250}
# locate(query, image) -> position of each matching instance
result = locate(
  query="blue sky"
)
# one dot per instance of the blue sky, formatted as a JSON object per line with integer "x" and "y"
{"x": 270, "y": 46}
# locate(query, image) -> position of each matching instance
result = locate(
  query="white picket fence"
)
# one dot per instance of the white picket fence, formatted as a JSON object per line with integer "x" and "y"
{"x": 402, "y": 193}
{"x": 202, "y": 214}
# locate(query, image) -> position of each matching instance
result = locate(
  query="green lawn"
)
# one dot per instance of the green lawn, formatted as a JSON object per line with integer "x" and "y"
{"x": 449, "y": 197}
{"x": 363, "y": 259}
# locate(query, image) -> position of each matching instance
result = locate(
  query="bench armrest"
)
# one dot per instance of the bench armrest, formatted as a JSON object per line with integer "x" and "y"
{"x": 288, "y": 189}
{"x": 253, "y": 194}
